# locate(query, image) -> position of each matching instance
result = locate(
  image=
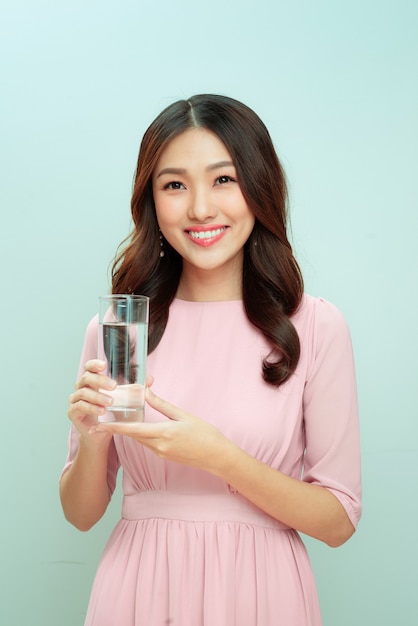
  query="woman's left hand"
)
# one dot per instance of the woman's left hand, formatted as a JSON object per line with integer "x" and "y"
{"x": 184, "y": 438}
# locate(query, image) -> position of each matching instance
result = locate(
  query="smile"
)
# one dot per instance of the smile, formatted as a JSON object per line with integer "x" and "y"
{"x": 205, "y": 237}
{"x": 206, "y": 234}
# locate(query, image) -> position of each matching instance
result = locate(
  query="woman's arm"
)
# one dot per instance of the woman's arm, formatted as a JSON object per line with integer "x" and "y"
{"x": 308, "y": 508}
{"x": 84, "y": 487}
{"x": 84, "y": 491}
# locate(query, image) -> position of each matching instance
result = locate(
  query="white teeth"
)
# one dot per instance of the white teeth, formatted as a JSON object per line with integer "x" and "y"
{"x": 206, "y": 234}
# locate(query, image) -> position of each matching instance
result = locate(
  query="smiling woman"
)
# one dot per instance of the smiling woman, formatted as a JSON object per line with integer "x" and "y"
{"x": 271, "y": 282}
{"x": 251, "y": 429}
{"x": 203, "y": 215}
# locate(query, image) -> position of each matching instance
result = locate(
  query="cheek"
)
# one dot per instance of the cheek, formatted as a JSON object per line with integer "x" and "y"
{"x": 168, "y": 204}
{"x": 169, "y": 219}
{"x": 239, "y": 209}
{"x": 166, "y": 211}
{"x": 246, "y": 217}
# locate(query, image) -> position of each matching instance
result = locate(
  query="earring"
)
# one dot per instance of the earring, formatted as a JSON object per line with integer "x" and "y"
{"x": 161, "y": 245}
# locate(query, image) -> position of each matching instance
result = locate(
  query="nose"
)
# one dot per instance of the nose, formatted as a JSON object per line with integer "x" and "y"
{"x": 201, "y": 207}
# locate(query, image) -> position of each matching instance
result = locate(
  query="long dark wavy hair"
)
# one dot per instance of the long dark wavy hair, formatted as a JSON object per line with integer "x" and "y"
{"x": 272, "y": 281}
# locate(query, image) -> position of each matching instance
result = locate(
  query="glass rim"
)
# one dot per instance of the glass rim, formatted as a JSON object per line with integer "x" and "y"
{"x": 124, "y": 296}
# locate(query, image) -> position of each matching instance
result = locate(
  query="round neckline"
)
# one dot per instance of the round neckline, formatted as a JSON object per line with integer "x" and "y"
{"x": 207, "y": 301}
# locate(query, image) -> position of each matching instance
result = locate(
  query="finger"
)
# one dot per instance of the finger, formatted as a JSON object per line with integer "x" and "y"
{"x": 95, "y": 381}
{"x": 167, "y": 409}
{"x": 149, "y": 380}
{"x": 87, "y": 394}
{"x": 139, "y": 430}
{"x": 95, "y": 365}
{"x": 82, "y": 409}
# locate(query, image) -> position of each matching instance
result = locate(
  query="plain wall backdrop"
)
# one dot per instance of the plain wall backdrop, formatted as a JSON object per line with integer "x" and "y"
{"x": 336, "y": 84}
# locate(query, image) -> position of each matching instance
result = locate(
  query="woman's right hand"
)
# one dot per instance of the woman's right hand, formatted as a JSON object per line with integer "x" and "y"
{"x": 89, "y": 400}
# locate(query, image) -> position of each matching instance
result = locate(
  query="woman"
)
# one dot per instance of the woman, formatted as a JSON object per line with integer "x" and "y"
{"x": 251, "y": 427}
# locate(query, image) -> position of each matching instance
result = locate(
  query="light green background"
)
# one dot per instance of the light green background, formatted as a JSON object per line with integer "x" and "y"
{"x": 336, "y": 83}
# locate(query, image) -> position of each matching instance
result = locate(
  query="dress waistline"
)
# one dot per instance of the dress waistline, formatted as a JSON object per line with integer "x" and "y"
{"x": 216, "y": 507}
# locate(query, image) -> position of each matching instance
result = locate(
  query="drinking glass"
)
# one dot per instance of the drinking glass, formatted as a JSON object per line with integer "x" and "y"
{"x": 122, "y": 344}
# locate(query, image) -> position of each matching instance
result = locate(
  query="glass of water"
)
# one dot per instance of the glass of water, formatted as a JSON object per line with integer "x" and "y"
{"x": 122, "y": 344}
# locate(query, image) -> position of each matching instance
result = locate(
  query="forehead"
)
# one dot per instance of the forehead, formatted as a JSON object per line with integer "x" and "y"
{"x": 195, "y": 145}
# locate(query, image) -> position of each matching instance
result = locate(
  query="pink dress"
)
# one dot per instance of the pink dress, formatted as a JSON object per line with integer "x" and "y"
{"x": 189, "y": 550}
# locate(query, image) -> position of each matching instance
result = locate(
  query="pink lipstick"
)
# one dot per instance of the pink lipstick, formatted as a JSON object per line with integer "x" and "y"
{"x": 206, "y": 235}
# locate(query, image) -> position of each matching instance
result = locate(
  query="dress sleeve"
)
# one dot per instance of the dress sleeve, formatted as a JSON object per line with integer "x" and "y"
{"x": 89, "y": 351}
{"x": 332, "y": 456}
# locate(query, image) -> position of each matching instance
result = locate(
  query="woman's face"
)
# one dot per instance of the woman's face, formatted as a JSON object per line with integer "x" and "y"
{"x": 199, "y": 204}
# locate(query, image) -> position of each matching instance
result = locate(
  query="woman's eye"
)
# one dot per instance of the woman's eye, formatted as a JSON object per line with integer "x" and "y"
{"x": 174, "y": 184}
{"x": 221, "y": 180}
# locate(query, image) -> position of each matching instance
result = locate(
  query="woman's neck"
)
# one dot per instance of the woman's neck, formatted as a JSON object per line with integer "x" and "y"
{"x": 206, "y": 287}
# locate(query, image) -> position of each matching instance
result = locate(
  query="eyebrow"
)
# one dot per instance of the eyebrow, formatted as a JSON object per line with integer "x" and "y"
{"x": 180, "y": 171}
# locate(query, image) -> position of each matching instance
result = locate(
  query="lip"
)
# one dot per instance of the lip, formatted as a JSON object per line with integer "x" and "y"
{"x": 201, "y": 234}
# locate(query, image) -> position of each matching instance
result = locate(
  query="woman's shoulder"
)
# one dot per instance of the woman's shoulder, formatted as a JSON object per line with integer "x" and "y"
{"x": 318, "y": 318}
{"x": 318, "y": 309}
